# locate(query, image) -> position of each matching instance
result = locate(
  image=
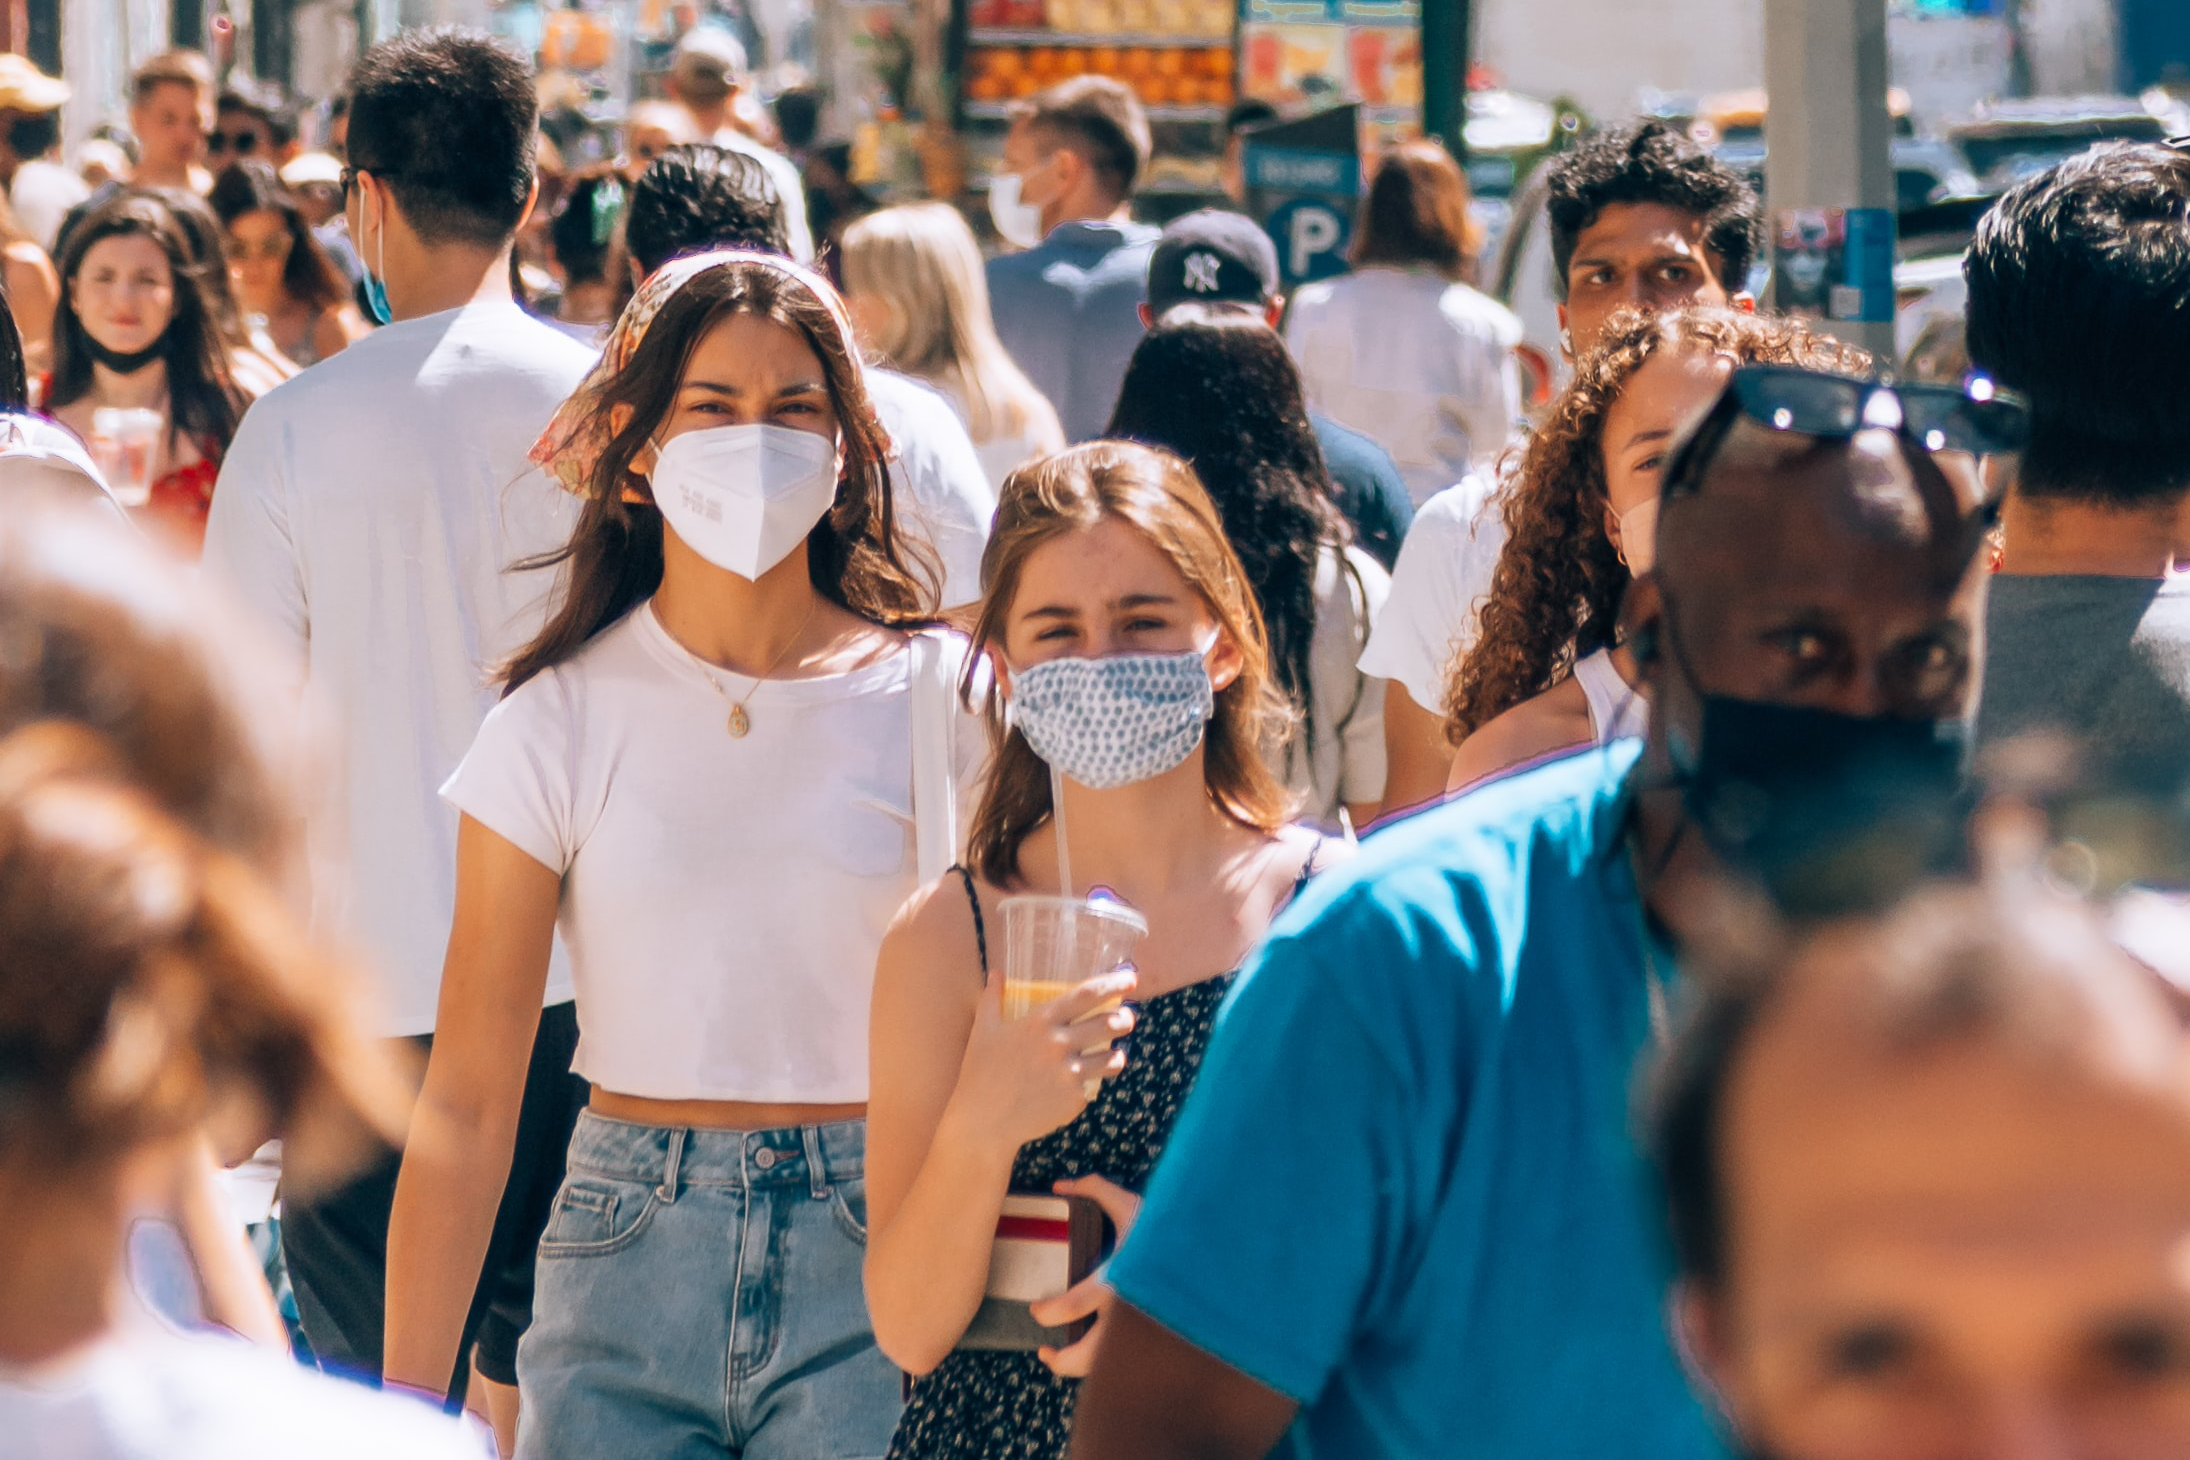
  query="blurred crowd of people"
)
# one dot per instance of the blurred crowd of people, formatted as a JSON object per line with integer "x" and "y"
{"x": 1656, "y": 926}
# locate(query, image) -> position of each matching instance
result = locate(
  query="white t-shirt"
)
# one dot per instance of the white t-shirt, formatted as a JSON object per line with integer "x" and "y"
{"x": 945, "y": 491}
{"x": 1438, "y": 587}
{"x": 148, "y": 1394}
{"x": 1346, "y": 705}
{"x": 41, "y": 196}
{"x": 368, "y": 511}
{"x": 1417, "y": 363}
{"x": 783, "y": 172}
{"x": 723, "y": 899}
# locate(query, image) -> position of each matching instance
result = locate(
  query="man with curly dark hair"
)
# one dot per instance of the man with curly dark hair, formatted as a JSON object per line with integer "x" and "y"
{"x": 1642, "y": 217}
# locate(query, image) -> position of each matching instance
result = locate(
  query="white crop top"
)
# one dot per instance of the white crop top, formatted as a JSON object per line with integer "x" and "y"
{"x": 1617, "y": 710}
{"x": 723, "y": 899}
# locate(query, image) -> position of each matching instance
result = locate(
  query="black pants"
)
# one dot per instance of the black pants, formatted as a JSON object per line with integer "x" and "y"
{"x": 337, "y": 1244}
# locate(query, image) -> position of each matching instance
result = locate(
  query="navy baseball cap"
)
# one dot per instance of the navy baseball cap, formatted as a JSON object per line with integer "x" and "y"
{"x": 1212, "y": 257}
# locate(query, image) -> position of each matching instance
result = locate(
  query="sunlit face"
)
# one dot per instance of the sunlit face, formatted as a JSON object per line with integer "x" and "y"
{"x": 1636, "y": 256}
{"x": 124, "y": 292}
{"x": 1966, "y": 1253}
{"x": 750, "y": 370}
{"x": 258, "y": 245}
{"x": 1107, "y": 589}
{"x": 171, "y": 123}
{"x": 1660, "y": 401}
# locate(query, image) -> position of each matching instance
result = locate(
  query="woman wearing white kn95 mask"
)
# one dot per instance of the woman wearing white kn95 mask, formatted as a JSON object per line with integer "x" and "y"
{"x": 719, "y": 770}
{"x": 1136, "y": 671}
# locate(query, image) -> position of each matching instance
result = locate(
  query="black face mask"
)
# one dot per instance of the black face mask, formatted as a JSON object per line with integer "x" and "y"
{"x": 1827, "y": 813}
{"x": 120, "y": 363}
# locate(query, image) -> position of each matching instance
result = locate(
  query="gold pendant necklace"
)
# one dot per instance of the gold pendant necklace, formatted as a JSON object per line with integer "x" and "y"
{"x": 740, "y": 722}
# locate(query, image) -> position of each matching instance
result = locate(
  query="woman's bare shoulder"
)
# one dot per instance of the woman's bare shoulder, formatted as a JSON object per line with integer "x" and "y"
{"x": 1557, "y": 719}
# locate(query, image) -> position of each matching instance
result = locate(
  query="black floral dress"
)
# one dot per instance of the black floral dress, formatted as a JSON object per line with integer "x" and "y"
{"x": 1009, "y": 1406}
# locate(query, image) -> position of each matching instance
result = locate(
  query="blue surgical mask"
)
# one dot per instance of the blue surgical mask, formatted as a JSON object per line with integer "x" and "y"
{"x": 1116, "y": 720}
{"x": 376, "y": 293}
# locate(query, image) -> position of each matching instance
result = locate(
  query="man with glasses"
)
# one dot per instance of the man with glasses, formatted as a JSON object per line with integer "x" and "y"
{"x": 2078, "y": 282}
{"x": 1403, "y": 1213}
{"x": 251, "y": 119}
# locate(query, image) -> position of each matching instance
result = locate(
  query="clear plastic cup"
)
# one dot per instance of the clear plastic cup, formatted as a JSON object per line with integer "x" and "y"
{"x": 124, "y": 441}
{"x": 1052, "y": 945}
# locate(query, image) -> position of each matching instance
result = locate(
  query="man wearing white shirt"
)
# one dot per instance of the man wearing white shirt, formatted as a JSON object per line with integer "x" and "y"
{"x": 706, "y": 76}
{"x": 371, "y": 510}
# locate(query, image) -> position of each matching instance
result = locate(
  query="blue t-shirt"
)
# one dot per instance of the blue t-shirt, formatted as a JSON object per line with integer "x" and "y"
{"x": 1371, "y": 492}
{"x": 1405, "y": 1191}
{"x": 1068, "y": 310}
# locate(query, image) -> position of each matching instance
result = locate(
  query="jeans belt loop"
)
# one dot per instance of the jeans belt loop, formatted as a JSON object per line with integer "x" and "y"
{"x": 817, "y": 1179}
{"x": 671, "y": 1167}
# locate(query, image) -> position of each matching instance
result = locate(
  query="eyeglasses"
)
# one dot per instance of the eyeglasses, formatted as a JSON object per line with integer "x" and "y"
{"x": 273, "y": 250}
{"x": 243, "y": 144}
{"x": 1976, "y": 418}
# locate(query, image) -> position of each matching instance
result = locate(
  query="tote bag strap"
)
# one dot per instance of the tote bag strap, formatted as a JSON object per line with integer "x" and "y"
{"x": 937, "y": 660}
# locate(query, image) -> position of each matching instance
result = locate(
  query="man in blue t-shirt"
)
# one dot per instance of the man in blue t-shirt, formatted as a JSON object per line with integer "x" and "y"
{"x": 1403, "y": 1213}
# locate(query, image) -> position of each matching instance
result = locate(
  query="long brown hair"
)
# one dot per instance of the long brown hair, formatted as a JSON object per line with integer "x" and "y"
{"x": 859, "y": 556}
{"x": 204, "y": 402}
{"x": 1556, "y": 594}
{"x": 1158, "y": 494}
{"x": 1417, "y": 212}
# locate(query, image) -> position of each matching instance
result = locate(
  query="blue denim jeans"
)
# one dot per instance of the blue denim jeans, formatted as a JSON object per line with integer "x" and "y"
{"x": 699, "y": 1295}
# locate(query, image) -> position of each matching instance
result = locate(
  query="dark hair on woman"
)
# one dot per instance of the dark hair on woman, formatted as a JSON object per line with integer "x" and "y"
{"x": 14, "y": 372}
{"x": 583, "y": 230}
{"x": 308, "y": 275}
{"x": 204, "y": 401}
{"x": 1218, "y": 389}
{"x": 1555, "y": 596}
{"x": 1154, "y": 493}
{"x": 202, "y": 231}
{"x": 1417, "y": 212}
{"x": 859, "y": 556}
{"x": 696, "y": 196}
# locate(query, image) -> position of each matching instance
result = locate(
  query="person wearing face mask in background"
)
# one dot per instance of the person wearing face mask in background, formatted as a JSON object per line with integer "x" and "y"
{"x": 1111, "y": 585}
{"x": 1067, "y": 303}
{"x": 367, "y": 512}
{"x": 1549, "y": 672}
{"x": 1640, "y": 218}
{"x": 1444, "y": 1031}
{"x": 1928, "y": 1183}
{"x": 137, "y": 330}
{"x": 703, "y": 767}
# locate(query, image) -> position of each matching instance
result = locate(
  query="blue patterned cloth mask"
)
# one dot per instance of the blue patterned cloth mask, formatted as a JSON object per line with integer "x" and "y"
{"x": 1115, "y": 720}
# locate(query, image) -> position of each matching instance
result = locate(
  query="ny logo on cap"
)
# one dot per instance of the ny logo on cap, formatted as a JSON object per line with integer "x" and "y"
{"x": 1201, "y": 272}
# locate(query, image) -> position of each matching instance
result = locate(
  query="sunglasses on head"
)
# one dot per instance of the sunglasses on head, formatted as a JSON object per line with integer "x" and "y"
{"x": 1976, "y": 418}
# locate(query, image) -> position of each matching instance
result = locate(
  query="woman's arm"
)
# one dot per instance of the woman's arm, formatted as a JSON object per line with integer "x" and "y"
{"x": 34, "y": 292}
{"x": 335, "y": 328}
{"x": 1417, "y": 757}
{"x": 457, "y": 1158}
{"x": 231, "y": 1284}
{"x": 955, "y": 1089}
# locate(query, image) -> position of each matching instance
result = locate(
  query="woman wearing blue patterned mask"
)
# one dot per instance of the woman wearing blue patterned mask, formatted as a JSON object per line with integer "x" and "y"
{"x": 1133, "y": 663}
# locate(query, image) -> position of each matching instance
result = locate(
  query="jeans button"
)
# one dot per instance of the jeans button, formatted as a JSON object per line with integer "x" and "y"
{"x": 764, "y": 1158}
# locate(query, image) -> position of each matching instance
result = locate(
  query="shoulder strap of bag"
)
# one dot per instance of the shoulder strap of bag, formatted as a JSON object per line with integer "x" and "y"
{"x": 935, "y": 667}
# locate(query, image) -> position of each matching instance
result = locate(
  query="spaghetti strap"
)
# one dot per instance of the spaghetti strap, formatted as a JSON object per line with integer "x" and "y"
{"x": 1308, "y": 868}
{"x": 980, "y": 926}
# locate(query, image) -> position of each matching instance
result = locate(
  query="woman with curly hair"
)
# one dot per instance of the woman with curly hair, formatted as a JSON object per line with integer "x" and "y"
{"x": 1548, "y": 672}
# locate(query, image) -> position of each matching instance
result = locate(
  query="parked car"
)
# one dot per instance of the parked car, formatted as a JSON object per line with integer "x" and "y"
{"x": 2007, "y": 141}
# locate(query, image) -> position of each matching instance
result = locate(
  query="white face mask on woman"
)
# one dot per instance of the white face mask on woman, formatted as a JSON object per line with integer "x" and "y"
{"x": 743, "y": 496}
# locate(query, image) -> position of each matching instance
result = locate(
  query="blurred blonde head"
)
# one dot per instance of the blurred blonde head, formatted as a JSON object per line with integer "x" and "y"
{"x": 914, "y": 279}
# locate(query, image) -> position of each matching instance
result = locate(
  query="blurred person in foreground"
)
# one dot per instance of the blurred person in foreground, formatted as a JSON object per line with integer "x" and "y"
{"x": 1640, "y": 218}
{"x": 1929, "y": 1186}
{"x": 1443, "y": 1033}
{"x": 707, "y": 75}
{"x": 913, "y": 281}
{"x": 155, "y": 990}
{"x": 1217, "y": 389}
{"x": 698, "y": 198}
{"x": 1067, "y": 300}
{"x": 2078, "y": 281}
{"x": 1402, "y": 349}
{"x": 367, "y": 513}
{"x": 1550, "y": 672}
{"x": 284, "y": 278}
{"x": 1218, "y": 260}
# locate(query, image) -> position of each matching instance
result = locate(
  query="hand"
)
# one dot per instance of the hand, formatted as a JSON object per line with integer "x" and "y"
{"x": 1023, "y": 1078}
{"x": 1090, "y": 1296}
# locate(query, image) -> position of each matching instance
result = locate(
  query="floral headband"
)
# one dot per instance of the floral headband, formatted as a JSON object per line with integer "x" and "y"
{"x": 578, "y": 434}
